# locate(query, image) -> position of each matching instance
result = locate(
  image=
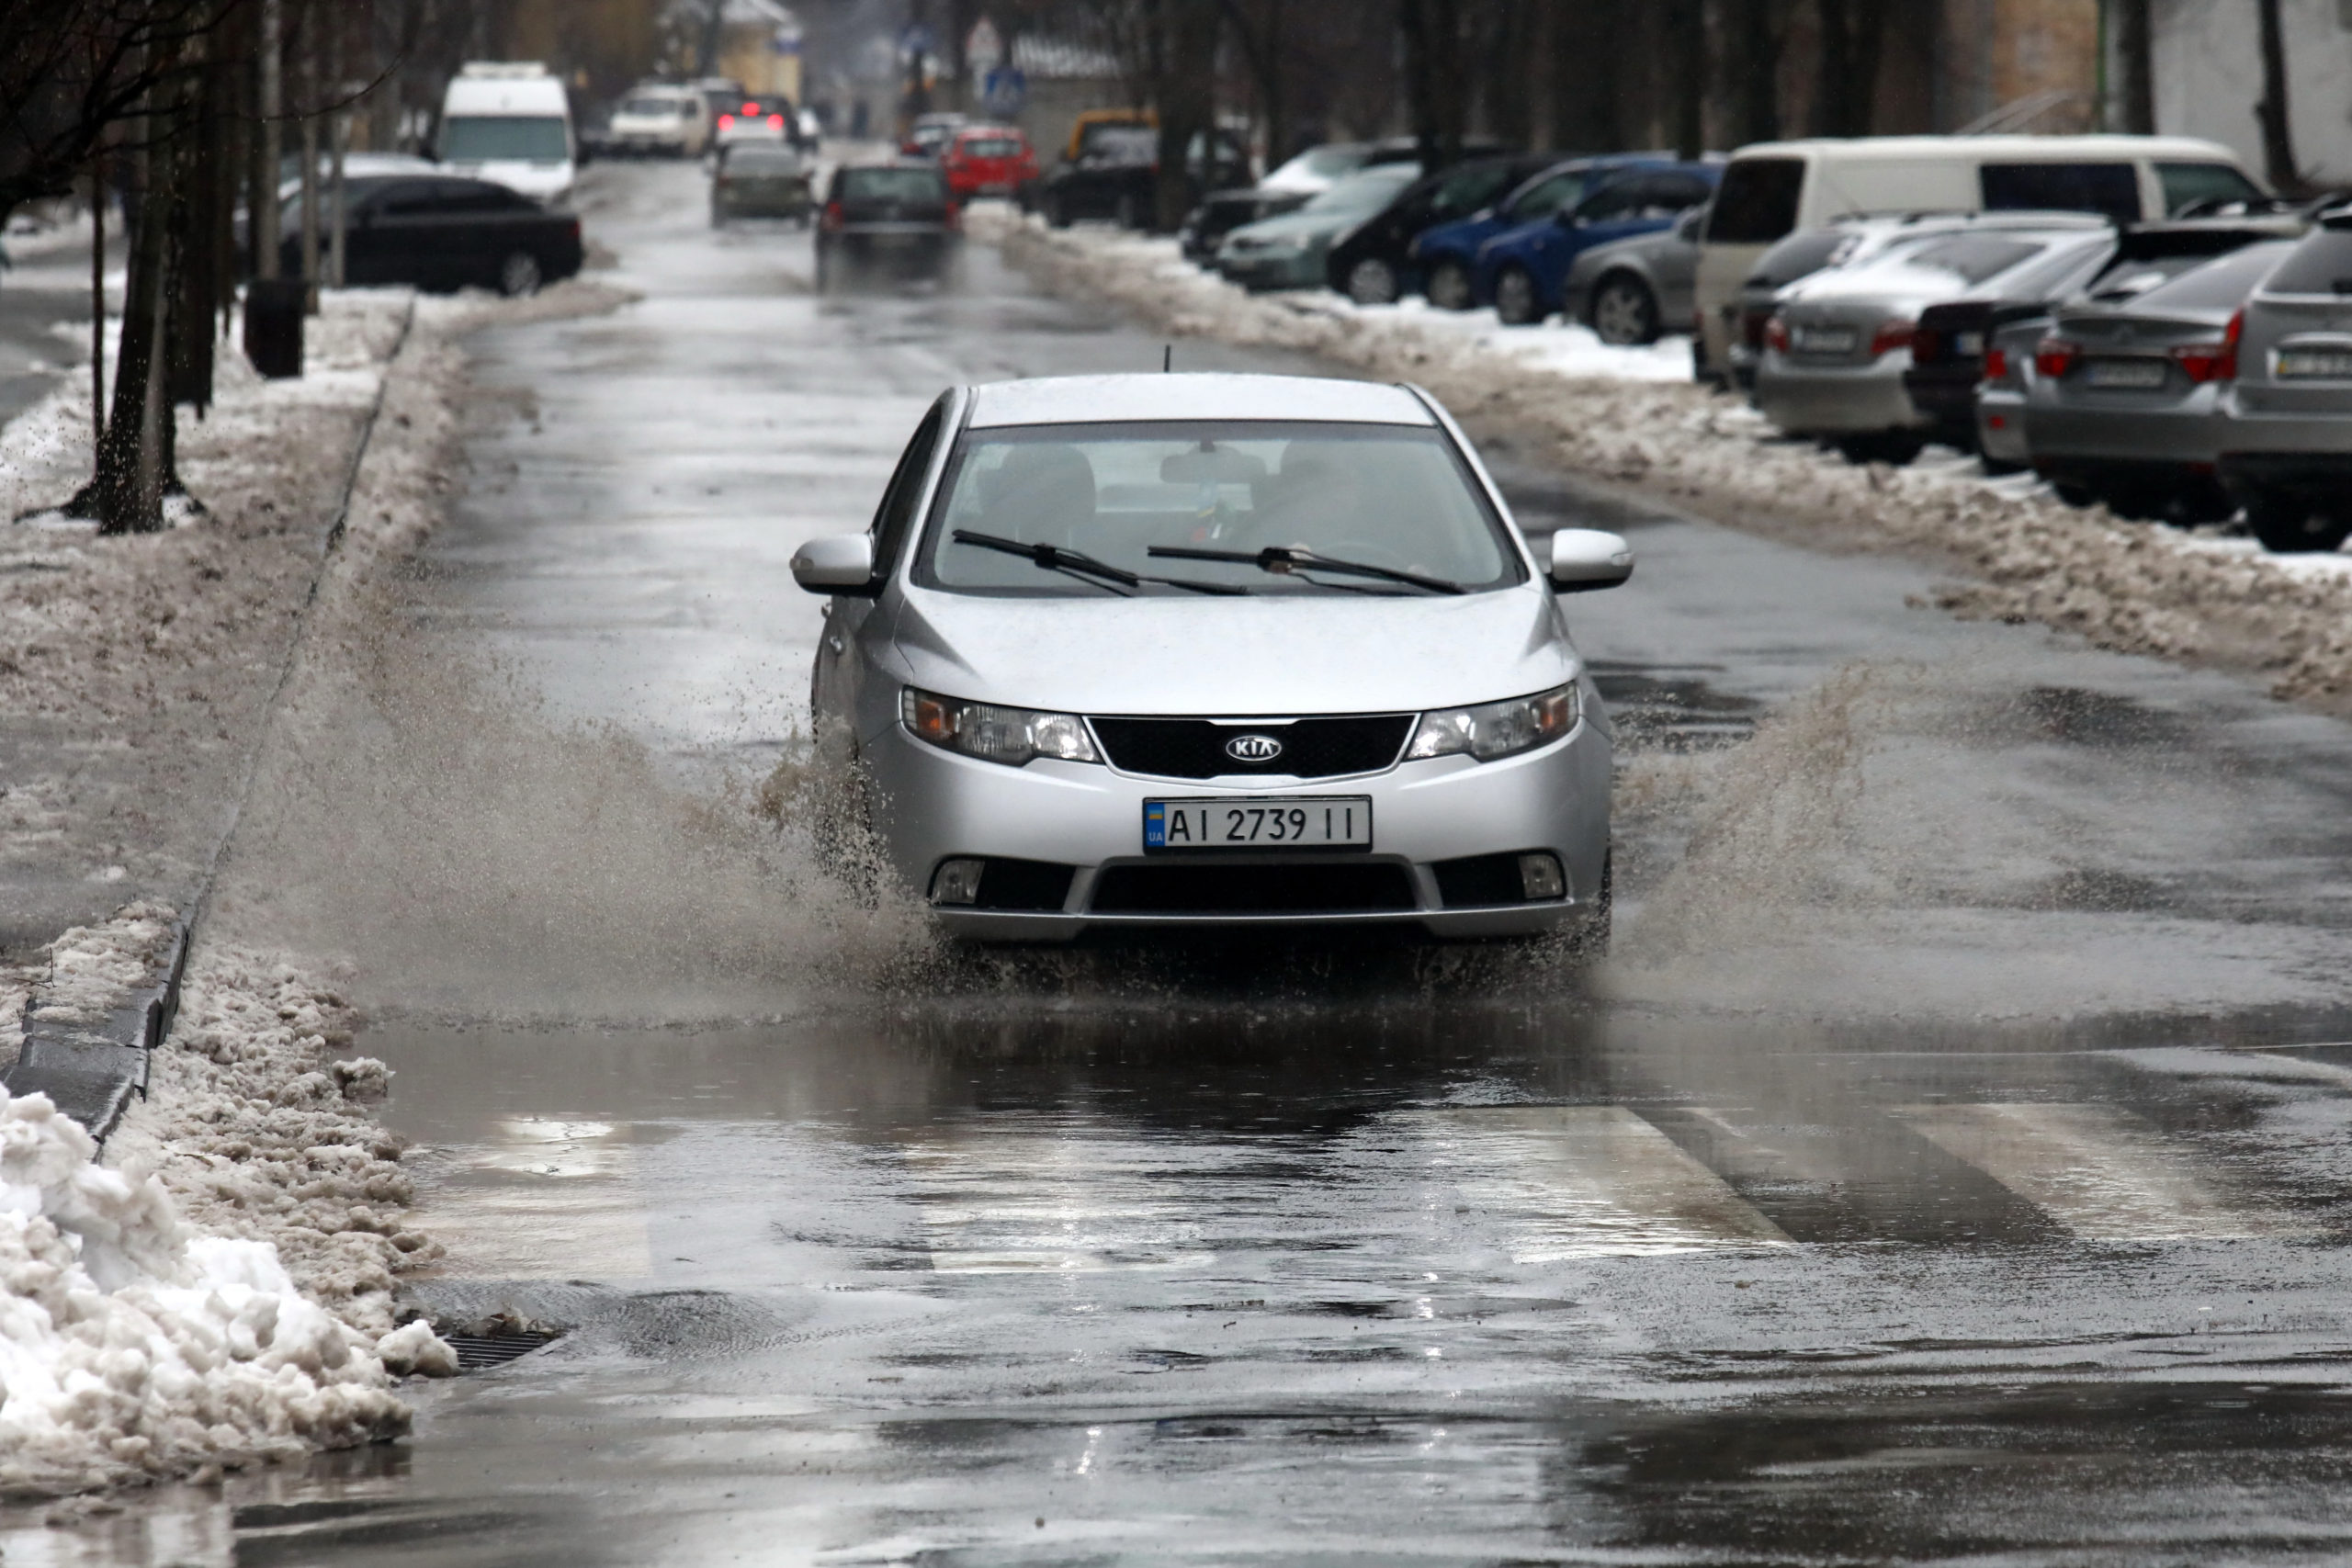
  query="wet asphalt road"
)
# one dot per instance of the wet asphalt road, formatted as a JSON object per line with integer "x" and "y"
{"x": 1949, "y": 1166}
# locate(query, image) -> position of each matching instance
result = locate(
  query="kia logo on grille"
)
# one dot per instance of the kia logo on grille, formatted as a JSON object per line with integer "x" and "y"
{"x": 1254, "y": 748}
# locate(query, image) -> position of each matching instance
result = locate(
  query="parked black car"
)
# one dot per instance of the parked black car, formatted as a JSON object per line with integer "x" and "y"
{"x": 1118, "y": 177}
{"x": 756, "y": 179}
{"x": 886, "y": 221}
{"x": 1372, "y": 267}
{"x": 442, "y": 231}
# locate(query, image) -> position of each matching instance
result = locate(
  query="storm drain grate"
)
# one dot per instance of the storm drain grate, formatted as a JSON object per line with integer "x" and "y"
{"x": 476, "y": 1351}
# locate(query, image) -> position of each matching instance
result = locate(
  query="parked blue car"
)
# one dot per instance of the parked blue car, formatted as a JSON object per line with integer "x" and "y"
{"x": 1446, "y": 256}
{"x": 1522, "y": 269}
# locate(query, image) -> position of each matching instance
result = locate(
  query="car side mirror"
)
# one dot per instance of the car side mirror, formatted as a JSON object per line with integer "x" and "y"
{"x": 1584, "y": 559}
{"x": 839, "y": 563}
{"x": 1567, "y": 218}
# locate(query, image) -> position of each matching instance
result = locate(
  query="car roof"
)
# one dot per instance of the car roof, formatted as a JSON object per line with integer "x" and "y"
{"x": 1995, "y": 147}
{"x": 1094, "y": 399}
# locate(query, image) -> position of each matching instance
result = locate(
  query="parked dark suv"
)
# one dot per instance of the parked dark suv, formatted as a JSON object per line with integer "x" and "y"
{"x": 1118, "y": 177}
{"x": 442, "y": 232}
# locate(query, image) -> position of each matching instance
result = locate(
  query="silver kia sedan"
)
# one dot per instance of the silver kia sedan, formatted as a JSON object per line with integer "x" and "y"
{"x": 1217, "y": 650}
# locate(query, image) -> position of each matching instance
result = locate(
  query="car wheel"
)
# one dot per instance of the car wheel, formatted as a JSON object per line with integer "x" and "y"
{"x": 518, "y": 275}
{"x": 1515, "y": 298}
{"x": 1127, "y": 214}
{"x": 1449, "y": 287}
{"x": 2073, "y": 495}
{"x": 2290, "y": 524}
{"x": 1372, "y": 281}
{"x": 1882, "y": 446}
{"x": 1624, "y": 312}
{"x": 1056, "y": 210}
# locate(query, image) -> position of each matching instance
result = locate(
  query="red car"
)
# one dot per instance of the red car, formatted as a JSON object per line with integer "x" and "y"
{"x": 988, "y": 160}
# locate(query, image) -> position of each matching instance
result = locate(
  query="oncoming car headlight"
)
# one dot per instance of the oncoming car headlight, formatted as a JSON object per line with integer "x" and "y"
{"x": 1010, "y": 736}
{"x": 1497, "y": 729}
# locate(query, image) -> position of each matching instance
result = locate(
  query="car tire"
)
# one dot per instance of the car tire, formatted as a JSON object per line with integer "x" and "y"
{"x": 1126, "y": 214}
{"x": 2075, "y": 495}
{"x": 2288, "y": 524}
{"x": 1624, "y": 311}
{"x": 1895, "y": 446}
{"x": 1516, "y": 300}
{"x": 518, "y": 275}
{"x": 1373, "y": 281}
{"x": 1056, "y": 210}
{"x": 1449, "y": 287}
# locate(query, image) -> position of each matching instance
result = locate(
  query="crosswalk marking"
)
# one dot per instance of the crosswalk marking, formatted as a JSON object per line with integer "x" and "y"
{"x": 1569, "y": 1181}
{"x": 2096, "y": 1170}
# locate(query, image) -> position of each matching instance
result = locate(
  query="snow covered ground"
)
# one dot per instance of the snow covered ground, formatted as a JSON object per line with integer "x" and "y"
{"x": 1614, "y": 415}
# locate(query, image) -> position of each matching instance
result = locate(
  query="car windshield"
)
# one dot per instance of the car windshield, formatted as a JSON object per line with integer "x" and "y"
{"x": 479, "y": 138}
{"x": 668, "y": 108}
{"x": 1324, "y": 162}
{"x": 754, "y": 158}
{"x": 1392, "y": 496}
{"x": 1367, "y": 192}
{"x": 991, "y": 147}
{"x": 2322, "y": 265}
{"x": 1124, "y": 143}
{"x": 892, "y": 184}
{"x": 1968, "y": 258}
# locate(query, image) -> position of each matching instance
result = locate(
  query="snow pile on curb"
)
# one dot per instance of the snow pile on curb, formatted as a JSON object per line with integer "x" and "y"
{"x": 223, "y": 1294}
{"x": 92, "y": 968}
{"x": 2135, "y": 587}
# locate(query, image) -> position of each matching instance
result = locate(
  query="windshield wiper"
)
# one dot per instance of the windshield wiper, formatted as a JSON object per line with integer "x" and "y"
{"x": 1079, "y": 564}
{"x": 1283, "y": 559}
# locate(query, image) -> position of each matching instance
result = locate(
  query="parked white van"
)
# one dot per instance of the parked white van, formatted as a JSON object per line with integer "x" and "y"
{"x": 511, "y": 122}
{"x": 1774, "y": 189}
{"x": 660, "y": 119}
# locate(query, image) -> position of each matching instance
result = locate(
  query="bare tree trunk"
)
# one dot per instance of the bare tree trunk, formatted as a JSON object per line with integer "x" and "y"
{"x": 310, "y": 158}
{"x": 1590, "y": 72}
{"x": 1752, "y": 69}
{"x": 1846, "y": 96}
{"x": 97, "y": 304}
{"x": 338, "y": 133}
{"x": 261, "y": 216}
{"x": 2135, "y": 52}
{"x": 1688, "y": 18}
{"x": 1187, "y": 105}
{"x": 126, "y": 494}
{"x": 2277, "y": 138}
{"x": 1432, "y": 39}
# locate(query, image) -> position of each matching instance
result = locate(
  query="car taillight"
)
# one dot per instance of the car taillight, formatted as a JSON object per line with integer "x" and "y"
{"x": 1996, "y": 365}
{"x": 2054, "y": 356}
{"x": 1892, "y": 334}
{"x": 1776, "y": 335}
{"x": 1926, "y": 343}
{"x": 777, "y": 121}
{"x": 724, "y": 120}
{"x": 575, "y": 227}
{"x": 834, "y": 216}
{"x": 2204, "y": 362}
{"x": 750, "y": 109}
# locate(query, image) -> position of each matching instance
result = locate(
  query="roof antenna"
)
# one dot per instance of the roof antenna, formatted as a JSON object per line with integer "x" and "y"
{"x": 1167, "y": 357}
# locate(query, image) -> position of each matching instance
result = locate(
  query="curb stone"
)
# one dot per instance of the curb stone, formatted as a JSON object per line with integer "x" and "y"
{"x": 90, "y": 1073}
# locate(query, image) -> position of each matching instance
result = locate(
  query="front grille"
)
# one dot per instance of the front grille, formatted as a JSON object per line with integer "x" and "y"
{"x": 1312, "y": 748}
{"x": 1314, "y": 889}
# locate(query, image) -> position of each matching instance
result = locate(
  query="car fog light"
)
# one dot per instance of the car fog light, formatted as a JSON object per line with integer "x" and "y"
{"x": 958, "y": 880}
{"x": 1540, "y": 878}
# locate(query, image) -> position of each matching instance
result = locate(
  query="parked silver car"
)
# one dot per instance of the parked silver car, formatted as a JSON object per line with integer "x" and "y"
{"x": 1836, "y": 348}
{"x": 2125, "y": 405}
{"x": 1634, "y": 292}
{"x": 1216, "y": 649}
{"x": 1287, "y": 252}
{"x": 2286, "y": 437}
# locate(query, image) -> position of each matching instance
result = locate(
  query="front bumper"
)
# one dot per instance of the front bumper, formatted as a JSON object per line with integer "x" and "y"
{"x": 1836, "y": 400}
{"x": 1267, "y": 270}
{"x": 937, "y": 804}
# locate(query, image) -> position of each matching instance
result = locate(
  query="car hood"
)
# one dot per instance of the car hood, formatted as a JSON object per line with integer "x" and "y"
{"x": 1237, "y": 658}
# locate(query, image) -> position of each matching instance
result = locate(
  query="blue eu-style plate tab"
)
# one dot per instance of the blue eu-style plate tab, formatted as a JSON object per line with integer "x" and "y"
{"x": 1154, "y": 825}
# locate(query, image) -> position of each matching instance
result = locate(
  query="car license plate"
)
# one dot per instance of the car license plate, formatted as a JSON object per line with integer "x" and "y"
{"x": 1969, "y": 345}
{"x": 2315, "y": 363}
{"x": 1825, "y": 340}
{"x": 2137, "y": 373}
{"x": 1306, "y": 821}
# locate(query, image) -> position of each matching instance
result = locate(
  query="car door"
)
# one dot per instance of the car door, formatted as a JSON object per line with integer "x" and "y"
{"x": 406, "y": 242}
{"x": 365, "y": 259}
{"x": 844, "y": 681}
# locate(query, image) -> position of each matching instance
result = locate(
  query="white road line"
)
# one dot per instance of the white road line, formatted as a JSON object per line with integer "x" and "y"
{"x": 2103, "y": 1174}
{"x": 1566, "y": 1181}
{"x": 548, "y": 1200}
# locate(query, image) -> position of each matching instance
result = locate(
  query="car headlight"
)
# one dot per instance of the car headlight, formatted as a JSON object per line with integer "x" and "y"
{"x": 1012, "y": 736}
{"x": 1497, "y": 729}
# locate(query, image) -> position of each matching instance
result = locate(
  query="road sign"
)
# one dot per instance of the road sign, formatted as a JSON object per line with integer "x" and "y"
{"x": 1004, "y": 90}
